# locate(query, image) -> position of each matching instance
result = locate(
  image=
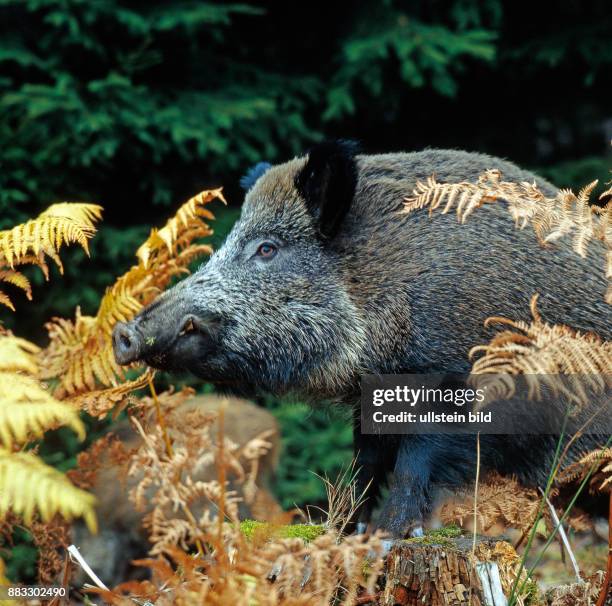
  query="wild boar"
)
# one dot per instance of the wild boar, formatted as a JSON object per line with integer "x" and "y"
{"x": 323, "y": 279}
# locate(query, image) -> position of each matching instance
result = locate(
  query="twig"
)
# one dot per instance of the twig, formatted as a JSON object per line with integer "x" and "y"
{"x": 476, "y": 483}
{"x": 605, "y": 588}
{"x": 160, "y": 418}
{"x": 563, "y": 536}
{"x": 221, "y": 474}
{"x": 75, "y": 554}
{"x": 517, "y": 586}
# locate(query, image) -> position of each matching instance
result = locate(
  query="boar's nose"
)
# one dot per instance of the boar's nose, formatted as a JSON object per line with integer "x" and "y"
{"x": 126, "y": 343}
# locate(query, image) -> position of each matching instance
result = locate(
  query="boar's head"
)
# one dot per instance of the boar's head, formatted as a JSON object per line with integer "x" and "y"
{"x": 269, "y": 311}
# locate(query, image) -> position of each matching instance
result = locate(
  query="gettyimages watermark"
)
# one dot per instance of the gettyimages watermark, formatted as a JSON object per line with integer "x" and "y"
{"x": 495, "y": 404}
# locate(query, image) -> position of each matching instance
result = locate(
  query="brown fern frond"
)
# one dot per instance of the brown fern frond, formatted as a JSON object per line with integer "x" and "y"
{"x": 567, "y": 361}
{"x": 51, "y": 539}
{"x": 597, "y": 464}
{"x": 502, "y": 502}
{"x": 98, "y": 403}
{"x": 80, "y": 351}
{"x": 551, "y": 218}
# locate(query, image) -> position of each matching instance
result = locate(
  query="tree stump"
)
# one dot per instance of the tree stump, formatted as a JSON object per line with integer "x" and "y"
{"x": 442, "y": 572}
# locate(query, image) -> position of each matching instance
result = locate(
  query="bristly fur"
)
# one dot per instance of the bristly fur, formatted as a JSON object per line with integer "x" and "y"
{"x": 248, "y": 180}
{"x": 552, "y": 217}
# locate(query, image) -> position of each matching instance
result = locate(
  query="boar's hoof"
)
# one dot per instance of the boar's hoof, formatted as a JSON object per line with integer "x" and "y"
{"x": 416, "y": 532}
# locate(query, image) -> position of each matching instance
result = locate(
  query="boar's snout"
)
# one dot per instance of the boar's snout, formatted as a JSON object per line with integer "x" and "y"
{"x": 127, "y": 343}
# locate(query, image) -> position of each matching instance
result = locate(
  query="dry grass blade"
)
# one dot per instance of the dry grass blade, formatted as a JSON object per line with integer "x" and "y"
{"x": 343, "y": 501}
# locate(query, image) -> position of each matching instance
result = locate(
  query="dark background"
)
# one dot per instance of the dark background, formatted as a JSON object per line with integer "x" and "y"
{"x": 139, "y": 105}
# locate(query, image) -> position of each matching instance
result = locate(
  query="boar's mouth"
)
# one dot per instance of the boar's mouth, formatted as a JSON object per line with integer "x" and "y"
{"x": 168, "y": 349}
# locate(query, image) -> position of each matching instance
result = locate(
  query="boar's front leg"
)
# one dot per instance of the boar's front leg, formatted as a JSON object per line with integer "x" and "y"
{"x": 374, "y": 457}
{"x": 423, "y": 460}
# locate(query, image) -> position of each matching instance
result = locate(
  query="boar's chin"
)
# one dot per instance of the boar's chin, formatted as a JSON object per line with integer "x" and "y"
{"x": 186, "y": 353}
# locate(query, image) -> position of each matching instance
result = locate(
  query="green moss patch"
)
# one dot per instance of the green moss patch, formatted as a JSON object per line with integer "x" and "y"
{"x": 439, "y": 536}
{"x": 307, "y": 532}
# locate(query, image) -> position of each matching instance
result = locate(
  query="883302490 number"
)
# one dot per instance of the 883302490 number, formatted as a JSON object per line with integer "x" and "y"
{"x": 42, "y": 592}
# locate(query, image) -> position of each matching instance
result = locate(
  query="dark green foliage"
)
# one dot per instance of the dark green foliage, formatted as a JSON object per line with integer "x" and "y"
{"x": 316, "y": 441}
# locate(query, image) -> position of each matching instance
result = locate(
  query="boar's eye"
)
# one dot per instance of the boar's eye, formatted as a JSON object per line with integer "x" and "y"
{"x": 267, "y": 250}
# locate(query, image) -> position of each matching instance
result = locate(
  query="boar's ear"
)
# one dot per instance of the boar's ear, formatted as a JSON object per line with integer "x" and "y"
{"x": 248, "y": 180}
{"x": 327, "y": 183}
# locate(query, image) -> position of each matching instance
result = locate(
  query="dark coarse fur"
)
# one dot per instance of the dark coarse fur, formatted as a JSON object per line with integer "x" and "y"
{"x": 355, "y": 287}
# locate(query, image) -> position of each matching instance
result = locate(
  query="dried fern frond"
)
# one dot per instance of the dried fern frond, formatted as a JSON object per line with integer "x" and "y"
{"x": 502, "y": 502}
{"x": 606, "y": 228}
{"x": 597, "y": 464}
{"x": 18, "y": 355}
{"x": 551, "y": 218}
{"x": 29, "y": 487}
{"x": 100, "y": 402}
{"x": 80, "y": 352}
{"x": 569, "y": 362}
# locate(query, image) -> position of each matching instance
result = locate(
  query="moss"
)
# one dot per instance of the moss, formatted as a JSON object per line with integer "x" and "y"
{"x": 532, "y": 594}
{"x": 439, "y": 536}
{"x": 307, "y": 532}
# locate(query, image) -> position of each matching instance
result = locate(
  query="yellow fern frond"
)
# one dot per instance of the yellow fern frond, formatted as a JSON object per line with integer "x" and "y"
{"x": 80, "y": 212}
{"x": 551, "y": 218}
{"x": 80, "y": 353}
{"x": 4, "y": 300}
{"x": 31, "y": 241}
{"x": 18, "y": 355}
{"x": 168, "y": 235}
{"x": 567, "y": 361}
{"x": 23, "y": 421}
{"x": 43, "y": 234}
{"x": 74, "y": 354}
{"x": 29, "y": 487}
{"x": 10, "y": 276}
